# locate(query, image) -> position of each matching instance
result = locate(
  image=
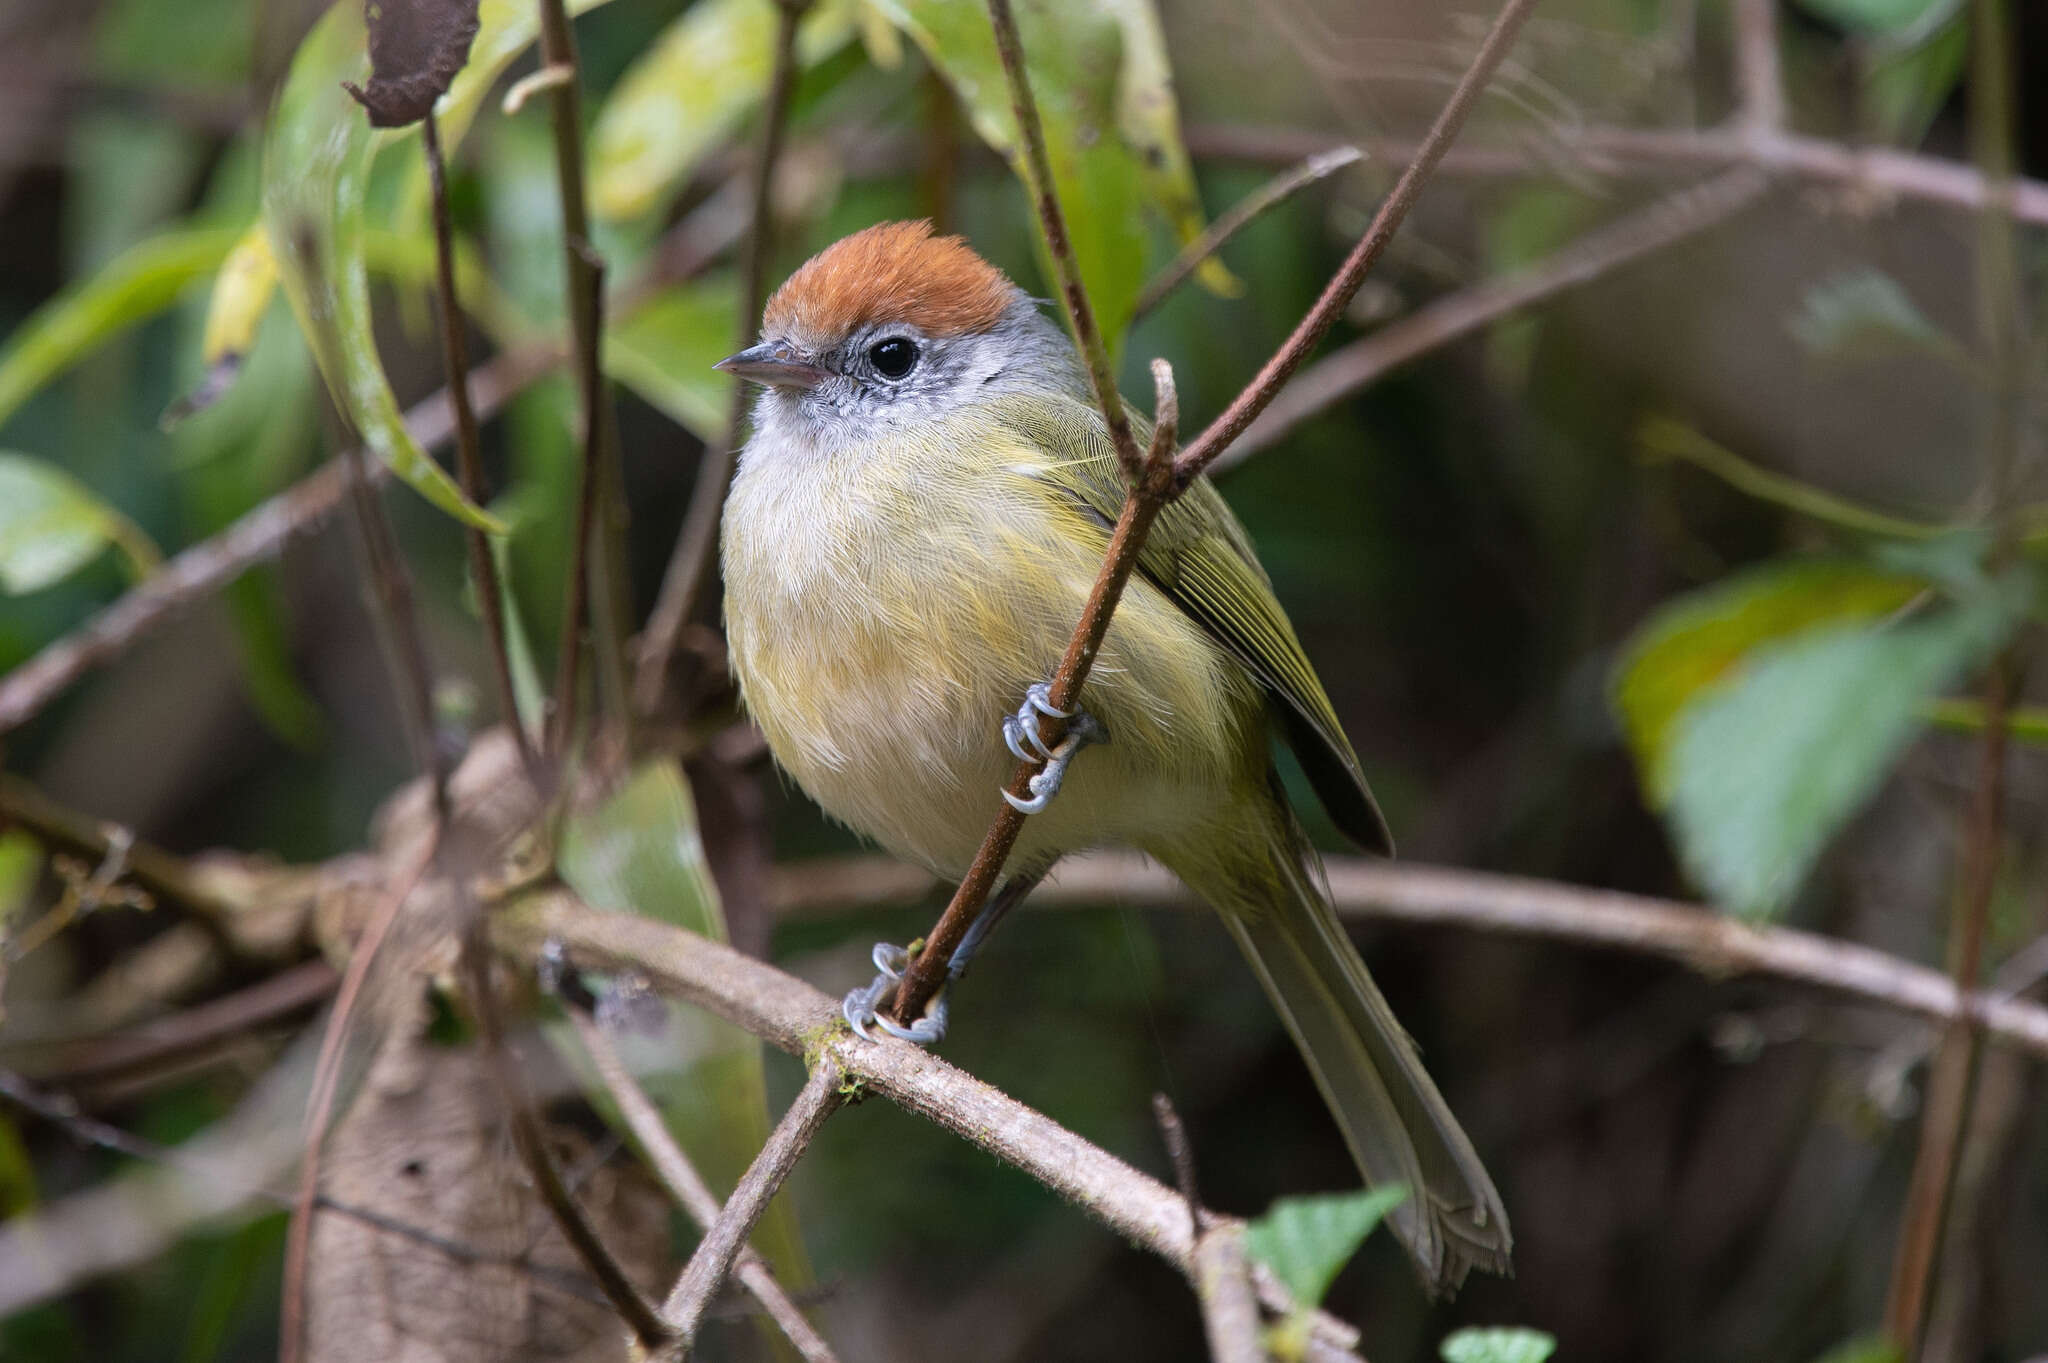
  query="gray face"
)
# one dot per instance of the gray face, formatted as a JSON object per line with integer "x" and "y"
{"x": 840, "y": 390}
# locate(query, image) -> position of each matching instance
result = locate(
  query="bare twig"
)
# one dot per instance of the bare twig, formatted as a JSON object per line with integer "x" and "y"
{"x": 326, "y": 1082}
{"x": 1338, "y": 293}
{"x": 1157, "y": 476}
{"x": 1606, "y": 248}
{"x": 687, "y": 1186}
{"x": 483, "y": 568}
{"x": 1181, "y": 1155}
{"x": 1875, "y": 173}
{"x": 1237, "y": 217}
{"x": 689, "y": 565}
{"x": 1223, "y": 1283}
{"x": 793, "y": 1016}
{"x": 531, "y": 1142}
{"x": 822, "y": 1095}
{"x": 66, "y": 830}
{"x": 596, "y": 569}
{"x": 1428, "y": 896}
{"x": 1759, "y": 85}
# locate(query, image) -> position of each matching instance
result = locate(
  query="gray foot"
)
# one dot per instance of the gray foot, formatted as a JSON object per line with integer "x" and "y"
{"x": 862, "y": 1008}
{"x": 1021, "y": 736}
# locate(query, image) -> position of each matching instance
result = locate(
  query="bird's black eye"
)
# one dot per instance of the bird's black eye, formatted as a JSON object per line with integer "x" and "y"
{"x": 893, "y": 357}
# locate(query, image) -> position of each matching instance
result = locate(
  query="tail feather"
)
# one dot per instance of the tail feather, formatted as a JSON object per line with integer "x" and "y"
{"x": 1398, "y": 1126}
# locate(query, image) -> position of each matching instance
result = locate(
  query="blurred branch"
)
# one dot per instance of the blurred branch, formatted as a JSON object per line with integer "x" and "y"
{"x": 483, "y": 568}
{"x": 67, "y": 830}
{"x": 1223, "y": 1279}
{"x": 1158, "y": 475}
{"x": 792, "y": 1015}
{"x": 696, "y": 546}
{"x": 1237, "y": 217}
{"x": 1759, "y": 83}
{"x": 1645, "y": 232}
{"x": 1425, "y": 896}
{"x": 1632, "y": 153}
{"x": 822, "y": 1095}
{"x": 687, "y": 1186}
{"x": 595, "y": 569}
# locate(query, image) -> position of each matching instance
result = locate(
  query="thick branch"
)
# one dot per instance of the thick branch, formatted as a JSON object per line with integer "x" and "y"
{"x": 790, "y": 1014}
{"x": 1426, "y": 896}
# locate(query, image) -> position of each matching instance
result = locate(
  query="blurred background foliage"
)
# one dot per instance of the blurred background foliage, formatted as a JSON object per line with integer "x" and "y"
{"x": 1684, "y": 583}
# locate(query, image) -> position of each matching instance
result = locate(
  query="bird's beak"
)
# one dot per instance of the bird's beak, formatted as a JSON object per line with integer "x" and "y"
{"x": 774, "y": 364}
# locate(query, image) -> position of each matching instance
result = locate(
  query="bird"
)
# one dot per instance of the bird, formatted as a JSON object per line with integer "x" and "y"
{"x": 911, "y": 531}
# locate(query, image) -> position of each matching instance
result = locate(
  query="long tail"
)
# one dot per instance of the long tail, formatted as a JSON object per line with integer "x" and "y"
{"x": 1398, "y": 1126}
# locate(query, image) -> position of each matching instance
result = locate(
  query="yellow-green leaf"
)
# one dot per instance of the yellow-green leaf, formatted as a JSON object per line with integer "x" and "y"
{"x": 665, "y": 349}
{"x": 136, "y": 285}
{"x": 1698, "y": 641}
{"x": 688, "y": 92}
{"x": 51, "y": 525}
{"x": 316, "y": 161}
{"x": 1073, "y": 52}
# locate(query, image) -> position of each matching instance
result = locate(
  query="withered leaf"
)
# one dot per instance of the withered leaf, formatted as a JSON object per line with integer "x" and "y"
{"x": 416, "y": 47}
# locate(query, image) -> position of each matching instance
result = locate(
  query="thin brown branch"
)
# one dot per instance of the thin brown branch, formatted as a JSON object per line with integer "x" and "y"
{"x": 689, "y": 565}
{"x": 397, "y": 627}
{"x": 1874, "y": 174}
{"x": 1173, "y": 1134}
{"x": 792, "y": 1015}
{"x": 1052, "y": 223}
{"x": 66, "y": 830}
{"x": 326, "y": 1083}
{"x": 1239, "y": 216}
{"x": 1338, "y": 293}
{"x": 1429, "y": 896}
{"x": 483, "y": 568}
{"x": 822, "y": 1095}
{"x": 1142, "y": 504}
{"x": 596, "y": 554}
{"x": 658, "y": 1147}
{"x": 1760, "y": 86}
{"x": 531, "y": 1142}
{"x": 1609, "y": 247}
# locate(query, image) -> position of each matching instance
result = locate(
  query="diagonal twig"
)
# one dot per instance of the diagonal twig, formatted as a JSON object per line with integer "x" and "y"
{"x": 687, "y": 1186}
{"x": 822, "y": 1095}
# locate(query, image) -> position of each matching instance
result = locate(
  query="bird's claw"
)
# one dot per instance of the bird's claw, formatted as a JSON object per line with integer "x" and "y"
{"x": 1022, "y": 728}
{"x": 862, "y": 1007}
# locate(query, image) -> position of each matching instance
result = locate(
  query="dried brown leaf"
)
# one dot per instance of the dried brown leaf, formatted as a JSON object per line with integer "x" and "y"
{"x": 416, "y": 49}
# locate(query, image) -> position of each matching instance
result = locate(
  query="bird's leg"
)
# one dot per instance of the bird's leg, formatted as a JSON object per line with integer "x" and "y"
{"x": 862, "y": 1007}
{"x": 1020, "y": 735}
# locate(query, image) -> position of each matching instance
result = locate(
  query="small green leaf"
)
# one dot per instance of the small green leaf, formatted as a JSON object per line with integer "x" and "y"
{"x": 639, "y": 852}
{"x": 1696, "y": 641}
{"x": 51, "y": 525}
{"x": 136, "y": 285}
{"x": 1306, "y": 1240}
{"x": 21, "y": 865}
{"x": 316, "y": 161}
{"x": 1863, "y": 316}
{"x": 688, "y": 92}
{"x": 1767, "y": 767}
{"x": 1072, "y": 51}
{"x": 1905, "y": 87}
{"x": 1870, "y": 16}
{"x": 664, "y": 352}
{"x": 1874, "y": 1349}
{"x": 1497, "y": 1344}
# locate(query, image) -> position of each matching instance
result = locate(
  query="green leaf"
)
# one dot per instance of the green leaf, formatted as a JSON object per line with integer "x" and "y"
{"x": 1497, "y": 1344}
{"x": 1766, "y": 768}
{"x": 1306, "y": 1240}
{"x": 1148, "y": 117}
{"x": 505, "y": 28}
{"x": 1697, "y": 641}
{"x": 1905, "y": 87}
{"x": 21, "y": 865}
{"x": 664, "y": 352}
{"x": 51, "y": 525}
{"x": 1874, "y": 1349}
{"x": 687, "y": 94}
{"x": 316, "y": 161}
{"x": 639, "y": 852}
{"x": 135, "y": 286}
{"x": 1870, "y": 16}
{"x": 1864, "y": 315}
{"x": 1073, "y": 53}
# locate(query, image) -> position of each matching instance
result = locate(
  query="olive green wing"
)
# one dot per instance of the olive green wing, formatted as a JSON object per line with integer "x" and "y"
{"x": 1201, "y": 558}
